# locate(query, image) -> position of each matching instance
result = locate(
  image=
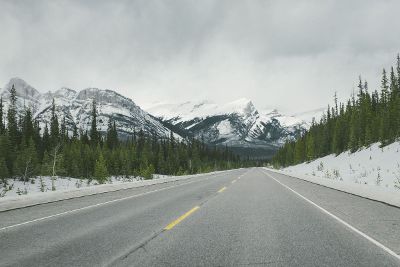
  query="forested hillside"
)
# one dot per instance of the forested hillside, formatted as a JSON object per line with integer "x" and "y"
{"x": 367, "y": 117}
{"x": 27, "y": 151}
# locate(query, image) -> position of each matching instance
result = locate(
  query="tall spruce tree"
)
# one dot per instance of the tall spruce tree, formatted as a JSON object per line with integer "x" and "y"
{"x": 2, "y": 126}
{"x": 4, "y": 174}
{"x": 12, "y": 124}
{"x": 54, "y": 126}
{"x": 94, "y": 134}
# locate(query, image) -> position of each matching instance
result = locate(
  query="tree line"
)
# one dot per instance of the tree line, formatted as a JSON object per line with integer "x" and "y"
{"x": 366, "y": 118}
{"x": 28, "y": 151}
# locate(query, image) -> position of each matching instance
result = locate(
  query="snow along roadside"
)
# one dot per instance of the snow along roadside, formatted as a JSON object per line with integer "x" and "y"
{"x": 373, "y": 193}
{"x": 23, "y": 201}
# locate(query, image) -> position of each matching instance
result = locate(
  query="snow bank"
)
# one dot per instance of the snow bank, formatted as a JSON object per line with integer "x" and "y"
{"x": 68, "y": 188}
{"x": 372, "y": 172}
{"x": 44, "y": 184}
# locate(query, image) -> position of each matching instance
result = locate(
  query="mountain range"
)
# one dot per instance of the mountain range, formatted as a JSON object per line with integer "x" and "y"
{"x": 238, "y": 124}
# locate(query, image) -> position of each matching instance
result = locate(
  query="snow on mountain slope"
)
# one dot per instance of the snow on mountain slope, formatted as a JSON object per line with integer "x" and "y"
{"x": 236, "y": 123}
{"x": 75, "y": 107}
{"x": 27, "y": 96}
{"x": 372, "y": 172}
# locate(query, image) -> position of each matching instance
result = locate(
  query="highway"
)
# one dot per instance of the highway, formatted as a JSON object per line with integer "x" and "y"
{"x": 245, "y": 217}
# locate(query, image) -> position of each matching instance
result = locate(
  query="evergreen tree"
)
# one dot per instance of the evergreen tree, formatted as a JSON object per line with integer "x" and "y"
{"x": 4, "y": 174}
{"x": 64, "y": 132}
{"x": 384, "y": 89}
{"x": 75, "y": 133}
{"x": 310, "y": 147}
{"x": 100, "y": 171}
{"x": 2, "y": 126}
{"x": 7, "y": 152}
{"x": 147, "y": 172}
{"x": 299, "y": 151}
{"x": 27, "y": 127}
{"x": 12, "y": 118}
{"x": 46, "y": 139}
{"x": 112, "y": 135}
{"x": 54, "y": 126}
{"x": 94, "y": 134}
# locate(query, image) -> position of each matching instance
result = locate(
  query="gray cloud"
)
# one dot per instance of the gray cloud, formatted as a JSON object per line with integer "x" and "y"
{"x": 288, "y": 54}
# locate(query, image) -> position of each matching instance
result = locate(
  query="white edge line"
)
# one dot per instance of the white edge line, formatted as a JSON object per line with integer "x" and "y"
{"x": 97, "y": 205}
{"x": 372, "y": 240}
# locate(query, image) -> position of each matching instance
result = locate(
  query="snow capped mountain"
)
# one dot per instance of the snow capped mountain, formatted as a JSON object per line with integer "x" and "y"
{"x": 27, "y": 96}
{"x": 191, "y": 110}
{"x": 237, "y": 124}
{"x": 75, "y": 107}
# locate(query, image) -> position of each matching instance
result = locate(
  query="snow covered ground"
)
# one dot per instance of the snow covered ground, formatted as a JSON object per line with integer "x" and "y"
{"x": 43, "y": 184}
{"x": 372, "y": 172}
{"x": 41, "y": 192}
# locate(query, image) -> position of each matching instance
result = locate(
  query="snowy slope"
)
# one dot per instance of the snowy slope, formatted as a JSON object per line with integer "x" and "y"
{"x": 373, "y": 166}
{"x": 373, "y": 171}
{"x": 75, "y": 107}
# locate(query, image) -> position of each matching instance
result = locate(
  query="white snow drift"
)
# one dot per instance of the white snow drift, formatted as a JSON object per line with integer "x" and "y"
{"x": 372, "y": 172}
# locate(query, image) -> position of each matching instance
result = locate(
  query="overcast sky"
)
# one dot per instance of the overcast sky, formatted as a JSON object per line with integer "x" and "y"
{"x": 292, "y": 55}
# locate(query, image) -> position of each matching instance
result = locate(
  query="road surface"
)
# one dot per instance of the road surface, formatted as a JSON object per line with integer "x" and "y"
{"x": 240, "y": 217}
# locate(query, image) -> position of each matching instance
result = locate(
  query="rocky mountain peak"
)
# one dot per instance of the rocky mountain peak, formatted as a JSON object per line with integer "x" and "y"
{"x": 23, "y": 89}
{"x": 75, "y": 108}
{"x": 242, "y": 106}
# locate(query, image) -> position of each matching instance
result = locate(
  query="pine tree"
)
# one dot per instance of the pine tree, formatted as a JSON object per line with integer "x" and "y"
{"x": 4, "y": 174}
{"x": 384, "y": 88}
{"x": 310, "y": 147}
{"x": 147, "y": 173}
{"x": 398, "y": 73}
{"x": 12, "y": 118}
{"x": 27, "y": 126}
{"x": 393, "y": 83}
{"x": 94, "y": 134}
{"x": 299, "y": 151}
{"x": 54, "y": 126}
{"x": 100, "y": 171}
{"x": 64, "y": 132}
{"x": 336, "y": 105}
{"x": 2, "y": 126}
{"x": 112, "y": 135}
{"x": 75, "y": 132}
{"x": 46, "y": 139}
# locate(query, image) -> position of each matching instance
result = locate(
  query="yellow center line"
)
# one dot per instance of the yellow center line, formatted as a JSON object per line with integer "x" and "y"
{"x": 222, "y": 189}
{"x": 172, "y": 225}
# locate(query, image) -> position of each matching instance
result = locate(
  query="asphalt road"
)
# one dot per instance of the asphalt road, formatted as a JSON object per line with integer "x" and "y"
{"x": 240, "y": 217}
